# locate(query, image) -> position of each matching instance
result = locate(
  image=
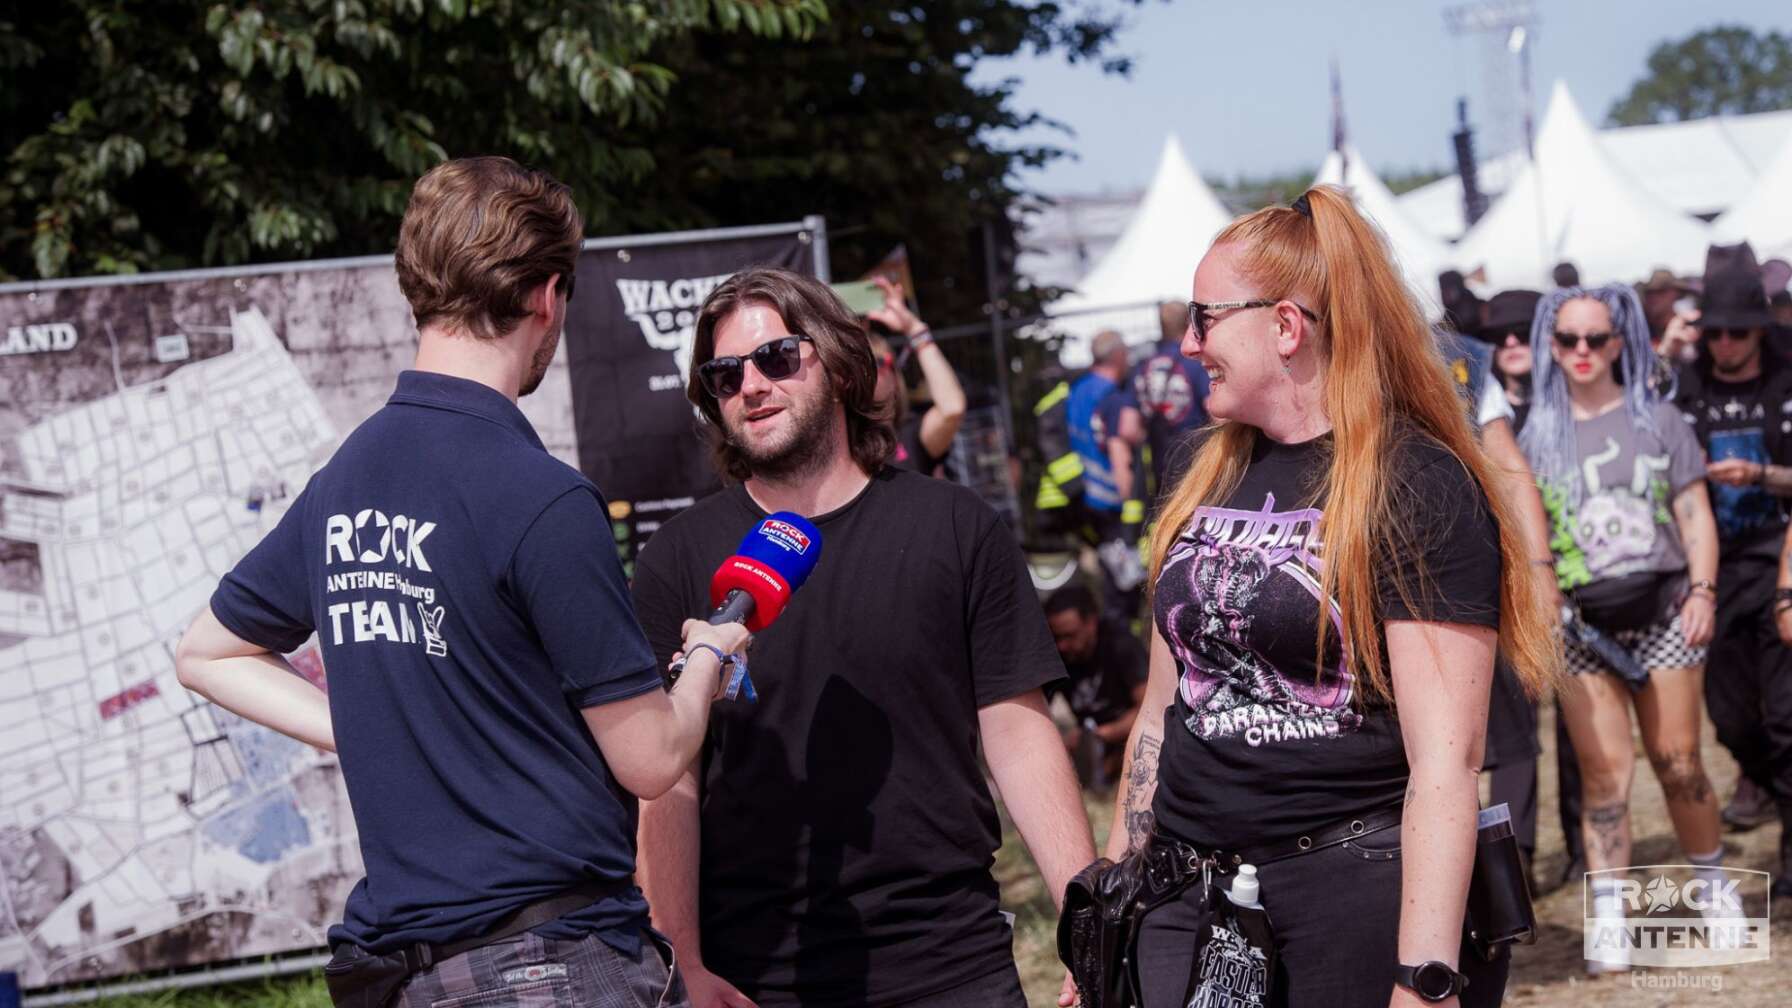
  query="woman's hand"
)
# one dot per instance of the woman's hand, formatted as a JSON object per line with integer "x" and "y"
{"x": 1698, "y": 617}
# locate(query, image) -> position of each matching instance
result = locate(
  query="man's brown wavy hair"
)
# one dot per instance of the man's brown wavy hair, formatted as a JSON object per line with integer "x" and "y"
{"x": 479, "y": 234}
{"x": 808, "y": 308}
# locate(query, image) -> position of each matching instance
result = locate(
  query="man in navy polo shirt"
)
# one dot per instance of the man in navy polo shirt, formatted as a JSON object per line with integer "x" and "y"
{"x": 490, "y": 693}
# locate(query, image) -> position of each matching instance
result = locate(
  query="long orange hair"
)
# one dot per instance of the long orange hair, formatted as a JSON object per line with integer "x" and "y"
{"x": 1381, "y": 366}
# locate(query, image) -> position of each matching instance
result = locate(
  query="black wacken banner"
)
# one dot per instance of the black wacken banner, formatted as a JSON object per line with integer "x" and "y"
{"x": 629, "y": 352}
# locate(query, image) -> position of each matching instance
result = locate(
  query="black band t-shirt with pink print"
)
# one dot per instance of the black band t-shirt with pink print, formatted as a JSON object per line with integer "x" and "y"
{"x": 1261, "y": 743}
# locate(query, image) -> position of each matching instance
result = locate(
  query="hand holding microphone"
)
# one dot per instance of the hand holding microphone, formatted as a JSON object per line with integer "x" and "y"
{"x": 727, "y": 641}
{"x": 750, "y": 589}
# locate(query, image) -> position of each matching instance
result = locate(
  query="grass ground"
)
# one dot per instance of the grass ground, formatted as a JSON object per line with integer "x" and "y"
{"x": 1547, "y": 974}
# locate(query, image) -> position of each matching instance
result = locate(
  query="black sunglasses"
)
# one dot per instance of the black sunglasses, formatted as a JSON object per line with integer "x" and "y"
{"x": 1595, "y": 341}
{"x": 1717, "y": 335}
{"x": 1198, "y": 313}
{"x": 777, "y": 360}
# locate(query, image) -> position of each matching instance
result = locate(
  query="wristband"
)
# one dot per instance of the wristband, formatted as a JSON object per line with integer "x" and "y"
{"x": 1544, "y": 563}
{"x": 676, "y": 669}
{"x": 1704, "y": 585}
{"x": 921, "y": 339}
{"x": 712, "y": 649}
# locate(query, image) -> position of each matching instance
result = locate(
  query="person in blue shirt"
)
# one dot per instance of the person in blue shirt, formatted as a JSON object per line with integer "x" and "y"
{"x": 1161, "y": 404}
{"x": 493, "y": 702}
{"x": 1088, "y": 429}
{"x": 1111, "y": 520}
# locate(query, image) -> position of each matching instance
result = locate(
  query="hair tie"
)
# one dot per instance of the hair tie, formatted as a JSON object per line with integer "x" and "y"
{"x": 1302, "y": 207}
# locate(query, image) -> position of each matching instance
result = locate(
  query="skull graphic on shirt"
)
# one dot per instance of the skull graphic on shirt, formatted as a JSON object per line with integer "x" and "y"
{"x": 1616, "y": 531}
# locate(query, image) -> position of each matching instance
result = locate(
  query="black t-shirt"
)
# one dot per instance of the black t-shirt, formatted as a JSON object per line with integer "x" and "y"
{"x": 1259, "y": 743}
{"x": 911, "y": 452}
{"x": 1170, "y": 393}
{"x": 847, "y": 832}
{"x": 1744, "y": 420}
{"x": 1101, "y": 686}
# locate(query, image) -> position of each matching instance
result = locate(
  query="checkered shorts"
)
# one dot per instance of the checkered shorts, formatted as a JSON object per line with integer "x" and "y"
{"x": 1658, "y": 645}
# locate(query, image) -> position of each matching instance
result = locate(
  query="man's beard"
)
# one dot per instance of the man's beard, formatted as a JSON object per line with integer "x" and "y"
{"x": 805, "y": 447}
{"x": 538, "y": 364}
{"x": 1721, "y": 370}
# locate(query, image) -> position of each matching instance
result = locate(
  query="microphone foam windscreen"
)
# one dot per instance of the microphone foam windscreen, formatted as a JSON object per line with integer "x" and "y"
{"x": 773, "y": 561}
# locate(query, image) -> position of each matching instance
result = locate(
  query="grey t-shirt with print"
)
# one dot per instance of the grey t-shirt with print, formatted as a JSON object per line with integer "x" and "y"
{"x": 1625, "y": 522}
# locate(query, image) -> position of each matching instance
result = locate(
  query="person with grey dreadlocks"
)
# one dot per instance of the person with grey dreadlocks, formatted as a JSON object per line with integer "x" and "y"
{"x": 1635, "y": 552}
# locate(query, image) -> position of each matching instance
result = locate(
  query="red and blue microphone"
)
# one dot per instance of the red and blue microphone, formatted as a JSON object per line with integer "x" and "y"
{"x": 755, "y": 584}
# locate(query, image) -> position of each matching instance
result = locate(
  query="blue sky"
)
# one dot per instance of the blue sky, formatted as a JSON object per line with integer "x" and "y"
{"x": 1244, "y": 83}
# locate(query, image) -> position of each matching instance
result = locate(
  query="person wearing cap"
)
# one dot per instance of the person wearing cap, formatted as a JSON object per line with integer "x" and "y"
{"x": 1506, "y": 323}
{"x": 1740, "y": 405}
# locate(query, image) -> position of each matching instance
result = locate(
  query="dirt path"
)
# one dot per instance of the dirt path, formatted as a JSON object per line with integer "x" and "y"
{"x": 1549, "y": 973}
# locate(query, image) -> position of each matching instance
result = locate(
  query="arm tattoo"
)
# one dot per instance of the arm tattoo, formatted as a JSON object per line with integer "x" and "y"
{"x": 1412, "y": 791}
{"x": 1141, "y": 784}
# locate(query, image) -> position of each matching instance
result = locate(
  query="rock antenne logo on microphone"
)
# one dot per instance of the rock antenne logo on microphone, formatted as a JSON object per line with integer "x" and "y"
{"x": 786, "y": 535}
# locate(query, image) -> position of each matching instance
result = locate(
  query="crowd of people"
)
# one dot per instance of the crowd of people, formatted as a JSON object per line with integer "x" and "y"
{"x": 1345, "y": 569}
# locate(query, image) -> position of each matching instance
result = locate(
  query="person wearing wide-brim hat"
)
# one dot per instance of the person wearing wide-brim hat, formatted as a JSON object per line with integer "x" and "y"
{"x": 1506, "y": 323}
{"x": 1741, "y": 408}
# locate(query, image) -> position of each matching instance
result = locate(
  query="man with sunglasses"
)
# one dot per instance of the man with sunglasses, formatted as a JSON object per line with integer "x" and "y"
{"x": 493, "y": 700}
{"x": 1739, "y": 401}
{"x": 832, "y": 844}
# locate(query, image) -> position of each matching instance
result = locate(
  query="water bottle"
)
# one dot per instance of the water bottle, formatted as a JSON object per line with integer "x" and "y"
{"x": 1237, "y": 961}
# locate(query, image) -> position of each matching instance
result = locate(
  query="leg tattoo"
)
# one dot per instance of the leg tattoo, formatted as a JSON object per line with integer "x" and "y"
{"x": 1682, "y": 777}
{"x": 1607, "y": 831}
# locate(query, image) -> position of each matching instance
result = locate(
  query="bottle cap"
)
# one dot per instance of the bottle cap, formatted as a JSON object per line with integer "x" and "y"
{"x": 1245, "y": 886}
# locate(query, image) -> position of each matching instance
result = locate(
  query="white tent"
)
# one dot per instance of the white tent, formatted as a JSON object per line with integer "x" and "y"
{"x": 1763, "y": 218}
{"x": 1701, "y": 166}
{"x": 1575, "y": 204}
{"x": 1153, "y": 260}
{"x": 1421, "y": 257}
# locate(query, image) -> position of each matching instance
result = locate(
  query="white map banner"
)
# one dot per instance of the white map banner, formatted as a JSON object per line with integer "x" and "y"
{"x": 150, "y": 433}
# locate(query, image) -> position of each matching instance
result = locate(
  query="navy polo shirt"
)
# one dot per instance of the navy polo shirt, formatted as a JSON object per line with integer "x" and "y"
{"x": 468, "y": 600}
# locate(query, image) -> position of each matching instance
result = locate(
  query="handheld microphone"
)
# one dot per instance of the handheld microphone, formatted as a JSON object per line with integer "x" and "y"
{"x": 755, "y": 584}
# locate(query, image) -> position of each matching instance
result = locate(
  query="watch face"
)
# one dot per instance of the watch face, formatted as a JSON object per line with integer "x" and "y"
{"x": 1433, "y": 980}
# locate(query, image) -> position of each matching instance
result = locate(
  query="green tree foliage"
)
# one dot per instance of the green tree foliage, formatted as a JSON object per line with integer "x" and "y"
{"x": 1718, "y": 71}
{"x": 189, "y": 132}
{"x": 878, "y": 123}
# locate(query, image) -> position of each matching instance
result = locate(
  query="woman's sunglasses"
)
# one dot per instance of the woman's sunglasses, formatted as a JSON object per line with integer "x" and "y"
{"x": 777, "y": 360}
{"x": 1201, "y": 315}
{"x": 1595, "y": 341}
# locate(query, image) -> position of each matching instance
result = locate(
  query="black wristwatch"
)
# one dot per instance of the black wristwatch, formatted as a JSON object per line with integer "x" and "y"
{"x": 1432, "y": 980}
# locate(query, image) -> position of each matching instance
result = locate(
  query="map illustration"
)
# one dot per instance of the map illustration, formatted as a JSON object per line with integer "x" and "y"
{"x": 149, "y": 436}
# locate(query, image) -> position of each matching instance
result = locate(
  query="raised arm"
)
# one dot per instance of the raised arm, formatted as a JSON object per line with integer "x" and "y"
{"x": 649, "y": 739}
{"x": 940, "y": 423}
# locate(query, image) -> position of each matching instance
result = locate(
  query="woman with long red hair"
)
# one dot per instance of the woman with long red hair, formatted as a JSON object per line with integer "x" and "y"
{"x": 1332, "y": 577}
